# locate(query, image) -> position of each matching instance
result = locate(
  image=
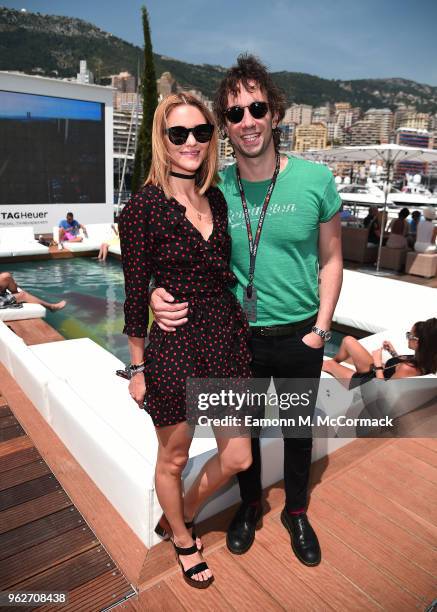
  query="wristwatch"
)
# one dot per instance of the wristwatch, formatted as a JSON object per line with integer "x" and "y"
{"x": 324, "y": 334}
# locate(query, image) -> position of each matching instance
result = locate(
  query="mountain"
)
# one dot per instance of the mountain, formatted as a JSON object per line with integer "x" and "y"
{"x": 51, "y": 45}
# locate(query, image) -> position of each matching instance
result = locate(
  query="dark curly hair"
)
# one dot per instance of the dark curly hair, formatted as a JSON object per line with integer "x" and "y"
{"x": 426, "y": 352}
{"x": 249, "y": 68}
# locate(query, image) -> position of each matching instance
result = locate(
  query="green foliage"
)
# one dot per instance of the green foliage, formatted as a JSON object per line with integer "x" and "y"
{"x": 143, "y": 154}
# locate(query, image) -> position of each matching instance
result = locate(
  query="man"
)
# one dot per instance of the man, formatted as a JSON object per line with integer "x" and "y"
{"x": 10, "y": 295}
{"x": 69, "y": 229}
{"x": 291, "y": 294}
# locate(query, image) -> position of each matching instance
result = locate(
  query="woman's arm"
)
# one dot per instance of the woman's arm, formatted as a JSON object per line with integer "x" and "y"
{"x": 137, "y": 268}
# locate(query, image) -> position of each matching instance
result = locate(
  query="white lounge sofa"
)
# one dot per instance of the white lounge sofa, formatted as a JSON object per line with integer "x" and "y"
{"x": 20, "y": 241}
{"x": 97, "y": 233}
{"x": 372, "y": 303}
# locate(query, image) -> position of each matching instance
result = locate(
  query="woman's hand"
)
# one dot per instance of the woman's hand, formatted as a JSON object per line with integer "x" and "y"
{"x": 377, "y": 357}
{"x": 137, "y": 388}
{"x": 388, "y": 346}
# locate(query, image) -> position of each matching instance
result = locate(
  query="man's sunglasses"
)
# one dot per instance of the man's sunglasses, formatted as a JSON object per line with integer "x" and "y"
{"x": 178, "y": 134}
{"x": 258, "y": 110}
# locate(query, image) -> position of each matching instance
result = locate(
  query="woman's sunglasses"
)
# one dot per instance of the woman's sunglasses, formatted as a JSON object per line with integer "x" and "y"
{"x": 178, "y": 134}
{"x": 258, "y": 110}
{"x": 410, "y": 336}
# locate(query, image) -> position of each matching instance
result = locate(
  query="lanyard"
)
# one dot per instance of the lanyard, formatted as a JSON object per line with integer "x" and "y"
{"x": 253, "y": 244}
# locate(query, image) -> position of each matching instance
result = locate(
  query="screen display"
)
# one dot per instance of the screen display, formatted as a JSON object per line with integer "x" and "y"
{"x": 52, "y": 150}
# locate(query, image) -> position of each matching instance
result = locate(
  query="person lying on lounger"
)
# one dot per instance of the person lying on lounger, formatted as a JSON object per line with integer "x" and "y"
{"x": 9, "y": 290}
{"x": 422, "y": 339}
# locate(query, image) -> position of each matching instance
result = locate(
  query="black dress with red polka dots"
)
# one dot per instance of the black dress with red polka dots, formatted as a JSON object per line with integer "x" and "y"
{"x": 157, "y": 240}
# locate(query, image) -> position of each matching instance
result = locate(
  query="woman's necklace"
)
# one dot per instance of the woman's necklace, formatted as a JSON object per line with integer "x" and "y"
{"x": 199, "y": 215}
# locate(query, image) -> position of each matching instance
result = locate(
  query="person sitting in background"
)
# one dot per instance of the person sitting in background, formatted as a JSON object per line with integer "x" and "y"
{"x": 11, "y": 295}
{"x": 398, "y": 231}
{"x": 69, "y": 229}
{"x": 422, "y": 339}
{"x": 412, "y": 231}
{"x": 114, "y": 240}
{"x": 426, "y": 233}
{"x": 372, "y": 223}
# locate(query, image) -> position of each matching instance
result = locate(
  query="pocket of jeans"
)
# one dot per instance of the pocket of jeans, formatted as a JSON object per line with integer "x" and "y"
{"x": 303, "y": 332}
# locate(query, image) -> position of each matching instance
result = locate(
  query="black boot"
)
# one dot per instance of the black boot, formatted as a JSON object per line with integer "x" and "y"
{"x": 304, "y": 541}
{"x": 241, "y": 531}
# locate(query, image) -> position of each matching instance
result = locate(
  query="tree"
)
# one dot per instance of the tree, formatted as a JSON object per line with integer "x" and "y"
{"x": 143, "y": 153}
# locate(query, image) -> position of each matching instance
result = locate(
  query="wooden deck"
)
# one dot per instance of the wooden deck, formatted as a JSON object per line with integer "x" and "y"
{"x": 45, "y": 543}
{"x": 374, "y": 506}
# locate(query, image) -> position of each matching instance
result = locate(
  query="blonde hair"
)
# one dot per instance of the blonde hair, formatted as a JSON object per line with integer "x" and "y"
{"x": 159, "y": 173}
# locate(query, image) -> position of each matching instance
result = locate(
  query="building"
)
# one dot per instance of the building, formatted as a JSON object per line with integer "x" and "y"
{"x": 402, "y": 115}
{"x": 345, "y": 115}
{"x": 301, "y": 114}
{"x": 199, "y": 95}
{"x": 321, "y": 114}
{"x": 362, "y": 133}
{"x": 383, "y": 118}
{"x": 84, "y": 75}
{"x": 417, "y": 121}
{"x": 287, "y": 136}
{"x": 126, "y": 125}
{"x": 225, "y": 151}
{"x": 166, "y": 85}
{"x": 336, "y": 134}
{"x": 127, "y": 102}
{"x": 312, "y": 136}
{"x": 124, "y": 82}
{"x": 412, "y": 137}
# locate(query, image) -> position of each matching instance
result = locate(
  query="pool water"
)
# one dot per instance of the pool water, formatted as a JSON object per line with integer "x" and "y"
{"x": 94, "y": 292}
{"x": 95, "y": 295}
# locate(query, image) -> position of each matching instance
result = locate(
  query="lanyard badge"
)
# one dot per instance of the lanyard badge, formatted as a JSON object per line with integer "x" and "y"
{"x": 250, "y": 297}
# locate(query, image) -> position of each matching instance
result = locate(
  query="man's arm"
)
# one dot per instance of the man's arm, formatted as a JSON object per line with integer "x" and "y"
{"x": 166, "y": 313}
{"x": 331, "y": 270}
{"x": 330, "y": 276}
{"x": 83, "y": 228}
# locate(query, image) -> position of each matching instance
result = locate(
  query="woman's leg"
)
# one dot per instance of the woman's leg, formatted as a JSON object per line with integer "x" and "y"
{"x": 234, "y": 455}
{"x": 350, "y": 347}
{"x": 174, "y": 443}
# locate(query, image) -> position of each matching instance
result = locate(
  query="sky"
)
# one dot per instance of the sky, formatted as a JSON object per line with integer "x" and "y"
{"x": 335, "y": 39}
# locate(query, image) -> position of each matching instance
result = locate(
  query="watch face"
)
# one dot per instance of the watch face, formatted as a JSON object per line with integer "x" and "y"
{"x": 328, "y": 336}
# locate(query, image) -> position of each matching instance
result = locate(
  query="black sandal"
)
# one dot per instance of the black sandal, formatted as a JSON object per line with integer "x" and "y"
{"x": 192, "y": 571}
{"x": 164, "y": 531}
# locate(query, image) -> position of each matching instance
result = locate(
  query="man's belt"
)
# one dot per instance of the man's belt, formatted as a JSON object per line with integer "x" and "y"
{"x": 281, "y": 330}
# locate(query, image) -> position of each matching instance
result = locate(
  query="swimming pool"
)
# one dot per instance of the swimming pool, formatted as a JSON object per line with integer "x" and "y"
{"x": 95, "y": 294}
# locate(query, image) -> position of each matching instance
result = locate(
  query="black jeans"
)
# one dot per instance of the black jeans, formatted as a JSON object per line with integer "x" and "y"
{"x": 284, "y": 357}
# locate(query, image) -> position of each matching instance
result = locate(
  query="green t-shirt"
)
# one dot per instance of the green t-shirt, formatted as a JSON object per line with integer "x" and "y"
{"x": 287, "y": 267}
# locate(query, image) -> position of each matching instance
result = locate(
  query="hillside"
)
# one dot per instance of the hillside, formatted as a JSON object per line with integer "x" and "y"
{"x": 51, "y": 45}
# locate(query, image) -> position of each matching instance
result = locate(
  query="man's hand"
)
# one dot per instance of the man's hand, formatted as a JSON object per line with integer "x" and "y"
{"x": 313, "y": 340}
{"x": 167, "y": 314}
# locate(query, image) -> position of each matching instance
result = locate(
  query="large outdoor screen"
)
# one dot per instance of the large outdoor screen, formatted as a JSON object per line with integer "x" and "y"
{"x": 52, "y": 150}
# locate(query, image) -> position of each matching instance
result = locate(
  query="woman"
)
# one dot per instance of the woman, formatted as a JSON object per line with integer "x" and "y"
{"x": 422, "y": 339}
{"x": 426, "y": 233}
{"x": 372, "y": 223}
{"x": 399, "y": 229}
{"x": 175, "y": 229}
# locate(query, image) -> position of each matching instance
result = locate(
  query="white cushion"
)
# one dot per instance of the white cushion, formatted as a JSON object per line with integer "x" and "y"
{"x": 28, "y": 311}
{"x": 16, "y": 241}
{"x": 123, "y": 475}
{"x": 372, "y": 303}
